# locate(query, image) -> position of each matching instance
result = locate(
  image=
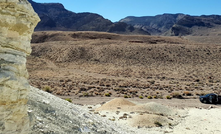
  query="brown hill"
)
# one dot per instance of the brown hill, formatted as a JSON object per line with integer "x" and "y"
{"x": 87, "y": 64}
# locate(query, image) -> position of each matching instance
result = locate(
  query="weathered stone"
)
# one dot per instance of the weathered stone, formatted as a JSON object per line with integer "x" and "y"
{"x": 17, "y": 22}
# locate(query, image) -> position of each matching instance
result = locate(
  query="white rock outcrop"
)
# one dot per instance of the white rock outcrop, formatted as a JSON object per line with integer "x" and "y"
{"x": 52, "y": 115}
{"x": 17, "y": 23}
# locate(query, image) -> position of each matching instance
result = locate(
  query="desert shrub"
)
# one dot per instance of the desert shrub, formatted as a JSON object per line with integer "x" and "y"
{"x": 160, "y": 96}
{"x": 85, "y": 94}
{"x": 141, "y": 97}
{"x": 149, "y": 97}
{"x": 47, "y": 89}
{"x": 198, "y": 94}
{"x": 202, "y": 93}
{"x": 107, "y": 94}
{"x": 111, "y": 119}
{"x": 125, "y": 96}
{"x": 176, "y": 95}
{"x": 152, "y": 81}
{"x": 211, "y": 81}
{"x": 96, "y": 93}
{"x": 187, "y": 93}
{"x": 158, "y": 124}
{"x": 168, "y": 97}
{"x": 155, "y": 97}
{"x": 68, "y": 99}
{"x": 59, "y": 93}
{"x": 118, "y": 89}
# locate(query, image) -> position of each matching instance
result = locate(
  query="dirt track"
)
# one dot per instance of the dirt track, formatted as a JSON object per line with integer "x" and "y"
{"x": 178, "y": 103}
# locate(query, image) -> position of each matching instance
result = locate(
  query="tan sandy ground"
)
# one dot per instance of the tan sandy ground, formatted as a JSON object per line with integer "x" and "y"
{"x": 200, "y": 121}
{"x": 142, "y": 118}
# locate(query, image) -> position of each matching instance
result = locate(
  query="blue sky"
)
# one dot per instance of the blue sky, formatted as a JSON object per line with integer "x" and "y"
{"x": 115, "y": 10}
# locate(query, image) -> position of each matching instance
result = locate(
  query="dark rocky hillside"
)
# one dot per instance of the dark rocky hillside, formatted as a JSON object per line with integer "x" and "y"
{"x": 176, "y": 24}
{"x": 55, "y": 17}
{"x": 154, "y": 24}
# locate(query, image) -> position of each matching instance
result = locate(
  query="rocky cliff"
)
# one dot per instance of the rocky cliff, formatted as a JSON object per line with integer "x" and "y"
{"x": 17, "y": 22}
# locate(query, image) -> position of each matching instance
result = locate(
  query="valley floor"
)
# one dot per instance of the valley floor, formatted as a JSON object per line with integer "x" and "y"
{"x": 147, "y": 72}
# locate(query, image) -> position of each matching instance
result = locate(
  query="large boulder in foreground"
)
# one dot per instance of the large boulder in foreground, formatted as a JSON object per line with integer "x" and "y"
{"x": 17, "y": 22}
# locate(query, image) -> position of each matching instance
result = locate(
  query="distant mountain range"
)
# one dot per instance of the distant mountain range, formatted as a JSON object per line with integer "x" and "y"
{"x": 176, "y": 24}
{"x": 55, "y": 17}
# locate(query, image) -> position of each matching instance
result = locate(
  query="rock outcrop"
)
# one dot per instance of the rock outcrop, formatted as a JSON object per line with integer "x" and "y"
{"x": 17, "y": 22}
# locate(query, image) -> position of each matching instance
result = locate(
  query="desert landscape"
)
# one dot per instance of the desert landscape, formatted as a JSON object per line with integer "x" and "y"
{"x": 75, "y": 73}
{"x": 147, "y": 83}
{"x": 93, "y": 64}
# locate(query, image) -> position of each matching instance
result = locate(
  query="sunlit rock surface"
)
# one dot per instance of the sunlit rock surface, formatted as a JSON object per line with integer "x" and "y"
{"x": 17, "y": 22}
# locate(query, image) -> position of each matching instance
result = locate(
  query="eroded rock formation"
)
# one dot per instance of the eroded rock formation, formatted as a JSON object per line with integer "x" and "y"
{"x": 17, "y": 22}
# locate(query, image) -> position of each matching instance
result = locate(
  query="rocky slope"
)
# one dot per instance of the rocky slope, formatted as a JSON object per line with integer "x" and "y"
{"x": 17, "y": 22}
{"x": 50, "y": 114}
{"x": 55, "y": 17}
{"x": 154, "y": 24}
{"x": 176, "y": 24}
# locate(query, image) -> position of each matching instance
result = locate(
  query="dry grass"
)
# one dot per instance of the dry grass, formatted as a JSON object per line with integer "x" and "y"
{"x": 75, "y": 63}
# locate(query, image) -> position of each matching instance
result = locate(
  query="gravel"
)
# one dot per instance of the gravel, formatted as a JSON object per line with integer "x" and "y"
{"x": 52, "y": 115}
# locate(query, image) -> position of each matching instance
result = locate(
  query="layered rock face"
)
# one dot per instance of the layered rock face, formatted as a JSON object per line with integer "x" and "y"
{"x": 17, "y": 22}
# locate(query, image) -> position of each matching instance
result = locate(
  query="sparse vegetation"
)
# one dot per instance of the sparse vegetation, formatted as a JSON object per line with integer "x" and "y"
{"x": 155, "y": 77}
{"x": 68, "y": 99}
{"x": 149, "y": 97}
{"x": 168, "y": 97}
{"x": 85, "y": 94}
{"x": 141, "y": 97}
{"x": 187, "y": 93}
{"x": 125, "y": 96}
{"x": 107, "y": 94}
{"x": 177, "y": 95}
{"x": 47, "y": 89}
{"x": 152, "y": 82}
{"x": 155, "y": 97}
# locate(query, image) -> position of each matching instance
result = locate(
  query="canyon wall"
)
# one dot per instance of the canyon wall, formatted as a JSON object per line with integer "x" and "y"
{"x": 17, "y": 22}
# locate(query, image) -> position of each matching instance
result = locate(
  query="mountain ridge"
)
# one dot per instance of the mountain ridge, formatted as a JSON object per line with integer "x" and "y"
{"x": 55, "y": 17}
{"x": 175, "y": 24}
